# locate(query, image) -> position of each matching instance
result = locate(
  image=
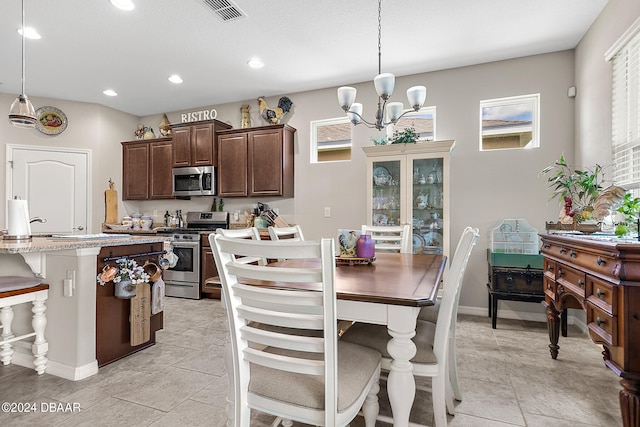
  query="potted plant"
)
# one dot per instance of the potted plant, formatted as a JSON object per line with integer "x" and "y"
{"x": 406, "y": 136}
{"x": 125, "y": 276}
{"x": 630, "y": 208}
{"x": 575, "y": 189}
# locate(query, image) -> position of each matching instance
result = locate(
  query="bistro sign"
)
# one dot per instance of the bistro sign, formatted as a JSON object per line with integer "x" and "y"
{"x": 196, "y": 116}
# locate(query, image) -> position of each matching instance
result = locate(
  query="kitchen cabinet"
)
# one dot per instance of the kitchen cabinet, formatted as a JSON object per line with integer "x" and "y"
{"x": 146, "y": 169}
{"x": 194, "y": 144}
{"x": 409, "y": 184}
{"x": 209, "y": 280}
{"x": 256, "y": 162}
{"x": 113, "y": 331}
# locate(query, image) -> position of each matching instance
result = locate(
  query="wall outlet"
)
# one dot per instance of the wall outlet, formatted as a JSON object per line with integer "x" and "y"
{"x": 327, "y": 212}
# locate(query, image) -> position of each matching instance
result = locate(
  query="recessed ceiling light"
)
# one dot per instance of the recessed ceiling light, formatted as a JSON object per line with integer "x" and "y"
{"x": 175, "y": 79}
{"x": 110, "y": 92}
{"x": 123, "y": 4}
{"x": 30, "y": 33}
{"x": 255, "y": 63}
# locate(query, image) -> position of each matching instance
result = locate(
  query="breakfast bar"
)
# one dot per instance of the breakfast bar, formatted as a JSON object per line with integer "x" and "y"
{"x": 69, "y": 265}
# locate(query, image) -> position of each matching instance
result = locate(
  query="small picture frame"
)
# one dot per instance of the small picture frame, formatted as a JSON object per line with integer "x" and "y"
{"x": 347, "y": 240}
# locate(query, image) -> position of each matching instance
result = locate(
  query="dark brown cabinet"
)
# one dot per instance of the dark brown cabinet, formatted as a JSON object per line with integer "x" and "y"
{"x": 256, "y": 162}
{"x": 146, "y": 169}
{"x": 194, "y": 144}
{"x": 209, "y": 280}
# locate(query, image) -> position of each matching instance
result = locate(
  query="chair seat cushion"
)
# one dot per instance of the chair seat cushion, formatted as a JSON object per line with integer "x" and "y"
{"x": 356, "y": 366}
{"x": 377, "y": 337}
{"x": 429, "y": 313}
{"x": 16, "y": 283}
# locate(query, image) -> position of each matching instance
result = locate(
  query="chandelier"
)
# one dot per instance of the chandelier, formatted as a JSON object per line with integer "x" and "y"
{"x": 22, "y": 113}
{"x": 384, "y": 84}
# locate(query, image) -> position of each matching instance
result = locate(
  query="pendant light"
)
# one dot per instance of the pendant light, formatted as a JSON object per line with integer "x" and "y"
{"x": 22, "y": 113}
{"x": 386, "y": 113}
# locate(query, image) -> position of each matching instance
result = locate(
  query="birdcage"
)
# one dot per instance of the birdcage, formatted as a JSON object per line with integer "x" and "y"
{"x": 514, "y": 236}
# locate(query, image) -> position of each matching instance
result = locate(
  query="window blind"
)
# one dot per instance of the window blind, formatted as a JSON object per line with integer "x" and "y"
{"x": 625, "y": 120}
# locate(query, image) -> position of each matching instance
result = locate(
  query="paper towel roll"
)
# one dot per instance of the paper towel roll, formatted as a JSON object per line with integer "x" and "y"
{"x": 18, "y": 218}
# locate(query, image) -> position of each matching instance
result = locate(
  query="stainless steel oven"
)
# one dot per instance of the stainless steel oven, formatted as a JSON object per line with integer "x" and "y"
{"x": 183, "y": 279}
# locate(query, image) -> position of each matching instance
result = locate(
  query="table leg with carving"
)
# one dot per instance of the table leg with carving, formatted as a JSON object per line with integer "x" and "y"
{"x": 630, "y": 401}
{"x": 553, "y": 325}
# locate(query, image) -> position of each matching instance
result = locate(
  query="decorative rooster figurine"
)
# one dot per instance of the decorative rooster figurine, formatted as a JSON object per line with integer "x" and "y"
{"x": 271, "y": 115}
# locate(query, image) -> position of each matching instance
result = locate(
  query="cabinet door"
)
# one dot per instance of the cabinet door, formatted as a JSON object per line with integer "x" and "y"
{"x": 181, "y": 137}
{"x": 135, "y": 171}
{"x": 209, "y": 271}
{"x": 265, "y": 163}
{"x": 203, "y": 152}
{"x": 427, "y": 204}
{"x": 386, "y": 195}
{"x": 160, "y": 164}
{"x": 232, "y": 165}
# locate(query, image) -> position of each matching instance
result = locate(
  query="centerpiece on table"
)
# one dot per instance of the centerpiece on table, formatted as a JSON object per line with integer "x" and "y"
{"x": 125, "y": 276}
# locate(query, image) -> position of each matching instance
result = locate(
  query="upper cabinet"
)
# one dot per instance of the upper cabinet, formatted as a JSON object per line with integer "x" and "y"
{"x": 194, "y": 144}
{"x": 146, "y": 169}
{"x": 256, "y": 162}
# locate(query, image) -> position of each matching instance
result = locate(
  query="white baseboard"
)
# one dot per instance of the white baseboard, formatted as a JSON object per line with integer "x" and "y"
{"x": 56, "y": 368}
{"x": 505, "y": 313}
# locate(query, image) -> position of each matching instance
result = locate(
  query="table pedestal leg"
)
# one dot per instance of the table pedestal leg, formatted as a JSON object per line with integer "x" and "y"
{"x": 553, "y": 324}
{"x": 630, "y": 402}
{"x": 401, "y": 385}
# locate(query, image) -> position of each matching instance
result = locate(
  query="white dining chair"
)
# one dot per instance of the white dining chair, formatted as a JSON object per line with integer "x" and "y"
{"x": 316, "y": 380}
{"x": 432, "y": 340}
{"x": 390, "y": 238}
{"x": 251, "y": 233}
{"x": 293, "y": 232}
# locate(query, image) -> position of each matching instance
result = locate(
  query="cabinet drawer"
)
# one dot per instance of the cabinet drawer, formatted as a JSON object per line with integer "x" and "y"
{"x": 549, "y": 268}
{"x": 603, "y": 295}
{"x": 602, "y": 324}
{"x": 549, "y": 287}
{"x": 573, "y": 280}
{"x": 517, "y": 280}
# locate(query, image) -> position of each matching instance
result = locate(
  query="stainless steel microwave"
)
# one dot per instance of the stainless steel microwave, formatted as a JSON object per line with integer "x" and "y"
{"x": 194, "y": 181}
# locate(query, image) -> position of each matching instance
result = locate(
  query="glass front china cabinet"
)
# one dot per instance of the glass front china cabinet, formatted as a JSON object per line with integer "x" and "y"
{"x": 409, "y": 184}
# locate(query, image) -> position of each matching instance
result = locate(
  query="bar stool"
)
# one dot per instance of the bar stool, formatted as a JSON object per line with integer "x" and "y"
{"x": 18, "y": 290}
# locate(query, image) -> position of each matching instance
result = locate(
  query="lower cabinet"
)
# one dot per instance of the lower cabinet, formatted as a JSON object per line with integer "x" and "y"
{"x": 209, "y": 280}
{"x": 113, "y": 330}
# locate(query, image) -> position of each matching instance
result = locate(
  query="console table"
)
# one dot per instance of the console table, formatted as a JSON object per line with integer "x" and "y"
{"x": 601, "y": 275}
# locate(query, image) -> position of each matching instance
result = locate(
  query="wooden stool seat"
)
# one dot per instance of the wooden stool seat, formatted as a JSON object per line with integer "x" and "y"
{"x": 16, "y": 290}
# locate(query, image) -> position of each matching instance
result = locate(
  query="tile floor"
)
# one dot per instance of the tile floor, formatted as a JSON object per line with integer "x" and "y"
{"x": 507, "y": 377}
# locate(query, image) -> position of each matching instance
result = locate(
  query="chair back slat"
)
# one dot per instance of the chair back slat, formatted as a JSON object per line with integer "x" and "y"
{"x": 244, "y": 233}
{"x": 390, "y": 238}
{"x": 265, "y": 337}
{"x": 293, "y": 232}
{"x": 285, "y": 363}
{"x": 279, "y": 318}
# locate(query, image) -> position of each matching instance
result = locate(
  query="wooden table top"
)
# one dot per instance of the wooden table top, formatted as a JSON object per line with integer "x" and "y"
{"x": 399, "y": 279}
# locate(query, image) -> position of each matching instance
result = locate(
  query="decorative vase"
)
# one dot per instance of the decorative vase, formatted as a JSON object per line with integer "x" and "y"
{"x": 124, "y": 289}
{"x": 365, "y": 247}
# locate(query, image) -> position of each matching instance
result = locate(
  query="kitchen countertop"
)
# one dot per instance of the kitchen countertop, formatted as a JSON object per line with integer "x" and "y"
{"x": 47, "y": 244}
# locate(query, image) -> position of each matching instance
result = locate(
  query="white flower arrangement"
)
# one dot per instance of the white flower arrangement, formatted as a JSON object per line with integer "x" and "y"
{"x": 128, "y": 269}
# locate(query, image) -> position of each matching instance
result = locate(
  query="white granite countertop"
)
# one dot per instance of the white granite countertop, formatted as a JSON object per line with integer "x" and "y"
{"x": 47, "y": 244}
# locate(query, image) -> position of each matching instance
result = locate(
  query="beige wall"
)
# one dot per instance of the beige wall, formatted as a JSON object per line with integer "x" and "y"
{"x": 593, "y": 83}
{"x": 486, "y": 187}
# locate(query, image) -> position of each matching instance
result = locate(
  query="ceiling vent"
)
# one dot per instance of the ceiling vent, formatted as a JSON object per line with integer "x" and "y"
{"x": 225, "y": 9}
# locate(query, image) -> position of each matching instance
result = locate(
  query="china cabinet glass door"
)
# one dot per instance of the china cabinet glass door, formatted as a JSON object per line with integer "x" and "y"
{"x": 427, "y": 208}
{"x": 386, "y": 202}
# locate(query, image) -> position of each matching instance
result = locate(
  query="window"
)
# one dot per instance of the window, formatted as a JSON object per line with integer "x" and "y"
{"x": 510, "y": 123}
{"x": 625, "y": 109}
{"x": 330, "y": 140}
{"x": 423, "y": 121}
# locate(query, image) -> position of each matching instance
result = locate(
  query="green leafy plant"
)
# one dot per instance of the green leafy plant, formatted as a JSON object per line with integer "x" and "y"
{"x": 630, "y": 208}
{"x": 576, "y": 188}
{"x": 379, "y": 141}
{"x": 406, "y": 136}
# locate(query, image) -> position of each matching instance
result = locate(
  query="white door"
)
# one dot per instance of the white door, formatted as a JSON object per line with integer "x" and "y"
{"x": 55, "y": 182}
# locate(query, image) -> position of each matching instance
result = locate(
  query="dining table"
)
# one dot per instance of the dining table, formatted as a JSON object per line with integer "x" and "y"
{"x": 388, "y": 291}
